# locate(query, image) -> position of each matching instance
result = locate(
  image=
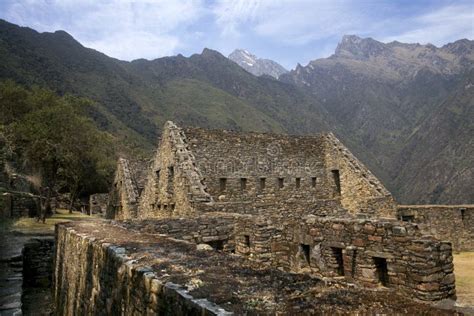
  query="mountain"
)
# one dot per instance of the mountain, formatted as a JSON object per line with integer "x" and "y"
{"x": 404, "y": 109}
{"x": 134, "y": 99}
{"x": 385, "y": 98}
{"x": 443, "y": 144}
{"x": 255, "y": 65}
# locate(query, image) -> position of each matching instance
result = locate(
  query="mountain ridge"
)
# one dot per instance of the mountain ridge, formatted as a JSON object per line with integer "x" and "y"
{"x": 382, "y": 109}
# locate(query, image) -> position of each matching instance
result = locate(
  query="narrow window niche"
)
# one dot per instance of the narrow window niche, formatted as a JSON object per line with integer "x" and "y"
{"x": 463, "y": 213}
{"x": 262, "y": 184}
{"x": 222, "y": 184}
{"x": 382, "y": 270}
{"x": 171, "y": 173}
{"x": 337, "y": 180}
{"x": 243, "y": 184}
{"x": 338, "y": 260}
{"x": 408, "y": 218}
{"x": 281, "y": 183}
{"x": 306, "y": 251}
{"x": 298, "y": 182}
{"x": 313, "y": 182}
{"x": 170, "y": 179}
{"x": 247, "y": 240}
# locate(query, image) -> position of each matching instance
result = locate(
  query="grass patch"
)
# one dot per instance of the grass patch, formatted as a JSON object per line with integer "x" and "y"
{"x": 28, "y": 225}
{"x": 464, "y": 270}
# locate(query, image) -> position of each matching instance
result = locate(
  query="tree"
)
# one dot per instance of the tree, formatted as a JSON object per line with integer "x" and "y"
{"x": 56, "y": 140}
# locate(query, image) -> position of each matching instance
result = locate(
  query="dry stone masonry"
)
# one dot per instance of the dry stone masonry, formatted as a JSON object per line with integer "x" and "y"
{"x": 16, "y": 197}
{"x": 448, "y": 222}
{"x": 98, "y": 203}
{"x": 287, "y": 205}
{"x": 104, "y": 269}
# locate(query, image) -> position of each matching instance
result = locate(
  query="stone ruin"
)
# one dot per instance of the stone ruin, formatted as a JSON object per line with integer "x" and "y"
{"x": 98, "y": 203}
{"x": 292, "y": 206}
{"x": 17, "y": 194}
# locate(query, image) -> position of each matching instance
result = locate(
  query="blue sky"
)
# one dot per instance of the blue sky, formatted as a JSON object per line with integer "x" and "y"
{"x": 287, "y": 31}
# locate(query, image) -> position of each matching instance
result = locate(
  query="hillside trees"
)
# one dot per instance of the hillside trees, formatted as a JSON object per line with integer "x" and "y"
{"x": 53, "y": 138}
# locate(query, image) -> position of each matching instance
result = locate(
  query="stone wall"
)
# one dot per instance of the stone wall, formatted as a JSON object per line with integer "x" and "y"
{"x": 19, "y": 204}
{"x": 103, "y": 269}
{"x": 368, "y": 252}
{"x": 16, "y": 197}
{"x": 361, "y": 191}
{"x": 93, "y": 277}
{"x": 174, "y": 184}
{"x": 98, "y": 203}
{"x": 196, "y": 170}
{"x": 38, "y": 262}
{"x": 124, "y": 196}
{"x": 214, "y": 229}
{"x": 448, "y": 222}
{"x": 250, "y": 172}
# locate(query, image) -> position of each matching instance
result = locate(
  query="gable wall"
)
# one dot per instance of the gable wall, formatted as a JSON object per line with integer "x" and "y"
{"x": 174, "y": 184}
{"x": 361, "y": 191}
{"x": 123, "y": 198}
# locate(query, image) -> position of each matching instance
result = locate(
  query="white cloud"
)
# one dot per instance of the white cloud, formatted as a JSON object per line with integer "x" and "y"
{"x": 231, "y": 14}
{"x": 299, "y": 22}
{"x": 131, "y": 45}
{"x": 122, "y": 29}
{"x": 294, "y": 22}
{"x": 440, "y": 26}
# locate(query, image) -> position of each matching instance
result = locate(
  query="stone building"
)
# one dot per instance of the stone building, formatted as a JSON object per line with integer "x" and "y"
{"x": 17, "y": 198}
{"x": 197, "y": 170}
{"x": 127, "y": 186}
{"x": 447, "y": 222}
{"x": 98, "y": 203}
{"x": 302, "y": 204}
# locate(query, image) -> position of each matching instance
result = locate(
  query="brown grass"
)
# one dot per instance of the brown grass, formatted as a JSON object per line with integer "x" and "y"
{"x": 28, "y": 225}
{"x": 464, "y": 270}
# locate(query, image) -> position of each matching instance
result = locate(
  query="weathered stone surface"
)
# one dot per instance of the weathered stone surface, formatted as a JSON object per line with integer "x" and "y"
{"x": 98, "y": 203}
{"x": 164, "y": 276}
{"x": 38, "y": 262}
{"x": 454, "y": 223}
{"x": 196, "y": 170}
{"x": 302, "y": 204}
{"x": 203, "y": 247}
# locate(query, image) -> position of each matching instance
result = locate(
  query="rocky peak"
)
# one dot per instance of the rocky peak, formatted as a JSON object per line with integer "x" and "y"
{"x": 460, "y": 47}
{"x": 244, "y": 56}
{"x": 210, "y": 53}
{"x": 256, "y": 66}
{"x": 360, "y": 48}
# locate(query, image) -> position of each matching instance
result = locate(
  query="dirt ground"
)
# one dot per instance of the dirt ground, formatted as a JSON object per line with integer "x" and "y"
{"x": 464, "y": 271}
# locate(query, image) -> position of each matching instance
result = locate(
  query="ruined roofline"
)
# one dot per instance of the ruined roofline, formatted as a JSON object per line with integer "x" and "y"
{"x": 427, "y": 206}
{"x": 129, "y": 183}
{"x": 356, "y": 164}
{"x": 250, "y": 133}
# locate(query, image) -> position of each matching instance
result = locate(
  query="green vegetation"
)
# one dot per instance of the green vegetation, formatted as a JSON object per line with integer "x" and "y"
{"x": 30, "y": 226}
{"x": 51, "y": 139}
